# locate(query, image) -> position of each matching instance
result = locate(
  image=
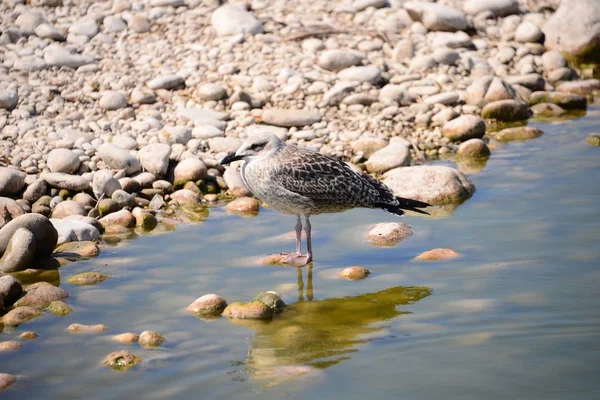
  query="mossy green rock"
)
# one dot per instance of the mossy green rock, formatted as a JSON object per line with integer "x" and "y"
{"x": 272, "y": 300}
{"x": 567, "y": 101}
{"x": 74, "y": 251}
{"x": 59, "y": 308}
{"x": 252, "y": 310}
{"x": 88, "y": 278}
{"x": 593, "y": 140}
{"x": 145, "y": 220}
{"x": 518, "y": 133}
{"x": 122, "y": 360}
{"x": 107, "y": 206}
{"x": 149, "y": 339}
{"x": 506, "y": 110}
{"x": 354, "y": 273}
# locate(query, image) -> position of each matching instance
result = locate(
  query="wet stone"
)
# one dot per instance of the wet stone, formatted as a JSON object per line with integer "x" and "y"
{"x": 438, "y": 254}
{"x": 388, "y": 234}
{"x": 518, "y": 133}
{"x": 77, "y": 250}
{"x": 127, "y": 338}
{"x": 121, "y": 360}
{"x": 10, "y": 345}
{"x": 59, "y": 308}
{"x": 243, "y": 205}
{"x": 6, "y": 380}
{"x": 41, "y": 294}
{"x": 149, "y": 339}
{"x": 80, "y": 328}
{"x": 354, "y": 273}
{"x": 506, "y": 110}
{"x": 464, "y": 128}
{"x": 567, "y": 101}
{"x": 28, "y": 335}
{"x": 272, "y": 300}
{"x": 252, "y": 310}
{"x": 88, "y": 278}
{"x": 209, "y": 304}
{"x": 20, "y": 315}
{"x": 593, "y": 140}
{"x": 473, "y": 148}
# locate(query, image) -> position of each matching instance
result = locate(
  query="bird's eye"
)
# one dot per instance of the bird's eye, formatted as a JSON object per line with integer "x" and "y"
{"x": 257, "y": 146}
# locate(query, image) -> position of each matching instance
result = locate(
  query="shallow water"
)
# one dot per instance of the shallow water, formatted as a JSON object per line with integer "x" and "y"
{"x": 517, "y": 316}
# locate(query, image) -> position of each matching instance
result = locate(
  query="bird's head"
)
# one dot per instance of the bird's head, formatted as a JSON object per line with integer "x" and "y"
{"x": 257, "y": 145}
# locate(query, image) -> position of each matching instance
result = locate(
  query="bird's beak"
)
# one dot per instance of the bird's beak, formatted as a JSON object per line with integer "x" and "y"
{"x": 231, "y": 158}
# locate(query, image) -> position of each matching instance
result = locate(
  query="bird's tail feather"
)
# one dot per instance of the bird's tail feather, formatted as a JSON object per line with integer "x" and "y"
{"x": 405, "y": 205}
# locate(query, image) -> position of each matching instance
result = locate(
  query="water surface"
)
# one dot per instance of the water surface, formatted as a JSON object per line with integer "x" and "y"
{"x": 517, "y": 316}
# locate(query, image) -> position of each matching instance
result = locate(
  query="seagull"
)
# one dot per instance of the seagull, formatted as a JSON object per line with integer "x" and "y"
{"x": 301, "y": 182}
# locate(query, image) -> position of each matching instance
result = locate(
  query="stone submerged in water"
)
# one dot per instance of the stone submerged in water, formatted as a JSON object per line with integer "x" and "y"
{"x": 388, "y": 234}
{"x": 243, "y": 206}
{"x": 354, "y": 273}
{"x": 20, "y": 315}
{"x": 518, "y": 133}
{"x": 150, "y": 339}
{"x": 438, "y": 254}
{"x": 567, "y": 101}
{"x": 593, "y": 140}
{"x": 81, "y": 328}
{"x": 41, "y": 294}
{"x": 272, "y": 300}
{"x": 121, "y": 360}
{"x": 88, "y": 278}
{"x": 209, "y": 304}
{"x": 6, "y": 380}
{"x": 251, "y": 310}
{"x": 59, "y": 308}
{"x": 473, "y": 148}
{"x": 10, "y": 345}
{"x": 127, "y": 338}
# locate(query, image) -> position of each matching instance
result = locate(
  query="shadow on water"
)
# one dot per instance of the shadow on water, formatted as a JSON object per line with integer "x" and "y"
{"x": 315, "y": 334}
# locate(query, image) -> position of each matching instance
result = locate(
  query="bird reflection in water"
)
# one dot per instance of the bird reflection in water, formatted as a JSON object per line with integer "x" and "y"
{"x": 311, "y": 335}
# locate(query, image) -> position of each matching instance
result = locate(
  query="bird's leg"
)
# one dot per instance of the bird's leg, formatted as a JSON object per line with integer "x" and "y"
{"x": 298, "y": 259}
{"x": 307, "y": 228}
{"x": 299, "y": 236}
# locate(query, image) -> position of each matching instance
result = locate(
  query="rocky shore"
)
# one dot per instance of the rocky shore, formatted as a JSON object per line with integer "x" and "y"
{"x": 114, "y": 114}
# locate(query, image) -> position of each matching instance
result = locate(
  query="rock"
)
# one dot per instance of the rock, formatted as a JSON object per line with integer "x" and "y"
{"x": 28, "y": 21}
{"x": 354, "y": 273}
{"x": 112, "y": 100}
{"x": 206, "y": 132}
{"x": 12, "y": 181}
{"x": 35, "y": 190}
{"x": 57, "y": 56}
{"x": 567, "y": 101}
{"x": 369, "y": 73}
{"x": 10, "y": 290}
{"x": 144, "y": 220}
{"x": 9, "y": 210}
{"x": 234, "y": 182}
{"x": 75, "y": 251}
{"x": 112, "y": 23}
{"x": 63, "y": 160}
{"x": 86, "y": 27}
{"x": 592, "y": 140}
{"x": 447, "y": 98}
{"x": 233, "y": 19}
{"x": 166, "y": 82}
{"x": 41, "y": 294}
{"x": 186, "y": 196}
{"x": 445, "y": 55}
{"x": 104, "y": 184}
{"x": 20, "y": 315}
{"x": 121, "y": 360}
{"x": 123, "y": 199}
{"x": 8, "y": 99}
{"x": 506, "y": 110}
{"x": 464, "y": 128}
{"x": 272, "y": 300}
{"x": 368, "y": 145}
{"x": 499, "y": 8}
{"x": 289, "y": 118}
{"x": 209, "y": 304}
{"x": 72, "y": 230}
{"x": 80, "y": 328}
{"x": 175, "y": 134}
{"x": 224, "y": 144}
{"x": 139, "y": 24}
{"x": 548, "y": 110}
{"x": 436, "y": 17}
{"x": 190, "y": 169}
{"x": 41, "y": 228}
{"x": 149, "y": 339}
{"x": 6, "y": 380}
{"x": 212, "y": 91}
{"x": 20, "y": 251}
{"x": 84, "y": 199}
{"x": 67, "y": 208}
{"x": 488, "y": 89}
{"x": 243, "y": 205}
{"x": 388, "y": 234}
{"x": 473, "y": 148}
{"x": 252, "y": 310}
{"x": 337, "y": 59}
{"x": 574, "y": 30}
{"x": 127, "y": 338}
{"x": 28, "y": 335}
{"x": 361, "y": 5}
{"x": 59, "y": 308}
{"x": 394, "y": 155}
{"x": 10, "y": 345}
{"x": 438, "y": 254}
{"x": 433, "y": 184}
{"x": 585, "y": 87}
{"x": 122, "y": 218}
{"x": 118, "y": 158}
{"x": 73, "y": 183}
{"x": 530, "y": 81}
{"x": 561, "y": 74}
{"x": 88, "y": 278}
{"x": 553, "y": 60}
{"x": 528, "y": 32}
{"x": 518, "y": 133}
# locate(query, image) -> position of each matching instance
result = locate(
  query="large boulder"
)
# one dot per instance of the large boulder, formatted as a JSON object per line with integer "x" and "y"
{"x": 434, "y": 184}
{"x": 574, "y": 30}
{"x": 19, "y": 253}
{"x": 41, "y": 227}
{"x": 73, "y": 230}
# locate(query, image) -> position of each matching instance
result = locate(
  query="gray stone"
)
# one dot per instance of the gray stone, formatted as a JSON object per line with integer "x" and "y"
{"x": 447, "y": 98}
{"x": 528, "y": 32}
{"x": 369, "y": 73}
{"x": 403, "y": 51}
{"x": 74, "y": 230}
{"x": 506, "y": 110}
{"x": 553, "y": 60}
{"x": 112, "y": 100}
{"x": 422, "y": 63}
{"x": 530, "y": 81}
{"x": 104, "y": 184}
{"x": 12, "y": 181}
{"x": 574, "y": 30}
{"x": 434, "y": 184}
{"x": 212, "y": 91}
{"x": 166, "y": 82}
{"x": 63, "y": 160}
{"x": 445, "y": 55}
{"x": 28, "y": 21}
{"x": 364, "y": 4}
{"x": 87, "y": 28}
{"x": 19, "y": 252}
{"x": 47, "y": 31}
{"x": 337, "y": 59}
{"x": 473, "y": 148}
{"x": 395, "y": 154}
{"x": 190, "y": 169}
{"x": 488, "y": 89}
{"x": 139, "y": 24}
{"x": 290, "y": 117}
{"x": 118, "y": 158}
{"x": 234, "y": 182}
{"x": 233, "y": 19}
{"x": 224, "y": 144}
{"x": 112, "y": 23}
{"x": 206, "y": 132}
{"x": 45, "y": 234}
{"x": 175, "y": 134}
{"x": 567, "y": 101}
{"x": 123, "y": 199}
{"x": 9, "y": 210}
{"x": 124, "y": 142}
{"x": 499, "y": 8}
{"x": 463, "y": 128}
{"x": 8, "y": 99}
{"x": 585, "y": 87}
{"x": 58, "y": 56}
{"x": 155, "y": 158}
{"x": 436, "y": 17}
{"x": 65, "y": 181}
{"x": 10, "y": 289}
{"x": 368, "y": 145}
{"x": 67, "y": 208}
{"x": 142, "y": 96}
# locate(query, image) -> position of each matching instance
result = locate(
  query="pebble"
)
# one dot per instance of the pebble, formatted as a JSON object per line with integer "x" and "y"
{"x": 394, "y": 155}
{"x": 212, "y": 91}
{"x": 209, "y": 304}
{"x": 117, "y": 158}
{"x": 150, "y": 339}
{"x": 243, "y": 206}
{"x": 252, "y": 310}
{"x": 438, "y": 254}
{"x": 369, "y": 73}
{"x": 12, "y": 181}
{"x": 388, "y": 234}
{"x": 506, "y": 110}
{"x": 57, "y": 56}
{"x": 289, "y": 118}
{"x": 139, "y": 24}
{"x": 354, "y": 273}
{"x": 498, "y": 8}
{"x": 10, "y": 289}
{"x": 63, "y": 160}
{"x": 10, "y": 345}
{"x": 8, "y": 99}
{"x": 112, "y": 100}
{"x": 81, "y": 328}
{"x": 518, "y": 133}
{"x": 232, "y": 20}
{"x": 154, "y": 158}
{"x": 166, "y": 82}
{"x": 121, "y": 360}
{"x": 88, "y": 278}
{"x": 127, "y": 338}
{"x": 464, "y": 128}
{"x": 473, "y": 148}
{"x": 339, "y": 59}
{"x": 190, "y": 169}
{"x": 436, "y": 16}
